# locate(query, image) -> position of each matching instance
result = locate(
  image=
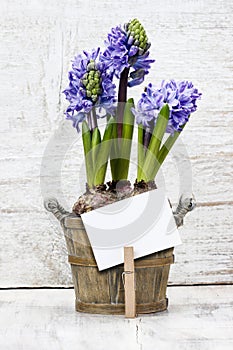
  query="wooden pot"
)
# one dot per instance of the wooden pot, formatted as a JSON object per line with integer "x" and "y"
{"x": 103, "y": 292}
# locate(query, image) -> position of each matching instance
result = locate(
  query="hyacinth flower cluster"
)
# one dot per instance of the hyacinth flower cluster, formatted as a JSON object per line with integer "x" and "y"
{"x": 90, "y": 89}
{"x": 127, "y": 57}
{"x": 163, "y": 109}
{"x": 127, "y": 47}
{"x": 91, "y": 94}
{"x": 161, "y": 113}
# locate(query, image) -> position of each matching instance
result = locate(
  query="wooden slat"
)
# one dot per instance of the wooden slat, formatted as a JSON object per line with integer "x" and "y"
{"x": 119, "y": 309}
{"x": 139, "y": 263}
{"x": 199, "y": 32}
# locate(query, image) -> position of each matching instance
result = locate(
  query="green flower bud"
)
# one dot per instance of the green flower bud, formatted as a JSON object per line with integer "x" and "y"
{"x": 91, "y": 73}
{"x": 140, "y": 51}
{"x": 92, "y": 82}
{"x": 142, "y": 31}
{"x": 85, "y": 82}
{"x": 91, "y": 66}
{"x": 94, "y": 98}
{"x": 135, "y": 29}
{"x": 143, "y": 46}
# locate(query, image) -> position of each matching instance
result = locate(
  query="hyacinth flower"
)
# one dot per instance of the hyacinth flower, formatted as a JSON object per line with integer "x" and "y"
{"x": 161, "y": 110}
{"x": 127, "y": 57}
{"x": 127, "y": 48}
{"x": 91, "y": 94}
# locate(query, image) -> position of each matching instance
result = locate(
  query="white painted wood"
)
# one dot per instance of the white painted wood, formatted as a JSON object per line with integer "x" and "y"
{"x": 198, "y": 318}
{"x": 206, "y": 253}
{"x": 39, "y": 257}
{"x": 190, "y": 40}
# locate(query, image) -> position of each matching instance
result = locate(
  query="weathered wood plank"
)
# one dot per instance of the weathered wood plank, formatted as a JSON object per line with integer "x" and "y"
{"x": 197, "y": 318}
{"x": 207, "y": 250}
{"x": 190, "y": 40}
{"x": 38, "y": 253}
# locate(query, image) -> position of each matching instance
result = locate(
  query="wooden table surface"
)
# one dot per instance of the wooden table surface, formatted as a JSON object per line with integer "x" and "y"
{"x": 199, "y": 317}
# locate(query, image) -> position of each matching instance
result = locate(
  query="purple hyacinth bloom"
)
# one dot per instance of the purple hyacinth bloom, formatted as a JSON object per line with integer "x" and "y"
{"x": 90, "y": 85}
{"x": 125, "y": 48}
{"x": 181, "y": 98}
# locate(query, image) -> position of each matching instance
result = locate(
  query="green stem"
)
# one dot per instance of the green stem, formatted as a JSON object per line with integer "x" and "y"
{"x": 93, "y": 118}
{"x": 122, "y": 98}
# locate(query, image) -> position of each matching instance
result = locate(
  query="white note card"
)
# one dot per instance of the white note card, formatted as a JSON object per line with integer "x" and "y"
{"x": 144, "y": 221}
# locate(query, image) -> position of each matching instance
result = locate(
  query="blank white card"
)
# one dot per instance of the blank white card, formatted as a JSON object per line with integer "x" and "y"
{"x": 144, "y": 221}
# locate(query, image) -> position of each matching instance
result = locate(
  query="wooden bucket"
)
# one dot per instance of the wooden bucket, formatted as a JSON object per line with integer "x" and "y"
{"x": 103, "y": 292}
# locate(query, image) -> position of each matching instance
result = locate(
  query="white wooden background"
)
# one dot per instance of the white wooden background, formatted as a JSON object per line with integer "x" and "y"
{"x": 191, "y": 39}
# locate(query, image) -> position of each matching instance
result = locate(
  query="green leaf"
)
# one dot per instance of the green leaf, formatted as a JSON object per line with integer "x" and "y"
{"x": 168, "y": 144}
{"x": 86, "y": 137}
{"x": 114, "y": 150}
{"x": 96, "y": 139}
{"x": 128, "y": 120}
{"x": 103, "y": 154}
{"x": 95, "y": 147}
{"x": 126, "y": 141}
{"x": 141, "y": 151}
{"x": 151, "y": 160}
{"x": 165, "y": 149}
{"x": 159, "y": 130}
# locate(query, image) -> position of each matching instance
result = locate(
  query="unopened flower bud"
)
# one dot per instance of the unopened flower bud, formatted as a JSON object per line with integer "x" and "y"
{"x": 137, "y": 35}
{"x": 94, "y": 98}
{"x": 92, "y": 82}
{"x": 90, "y": 66}
{"x": 85, "y": 82}
{"x": 91, "y": 73}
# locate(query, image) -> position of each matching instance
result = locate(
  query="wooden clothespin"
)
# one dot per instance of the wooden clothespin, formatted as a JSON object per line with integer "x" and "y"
{"x": 129, "y": 283}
